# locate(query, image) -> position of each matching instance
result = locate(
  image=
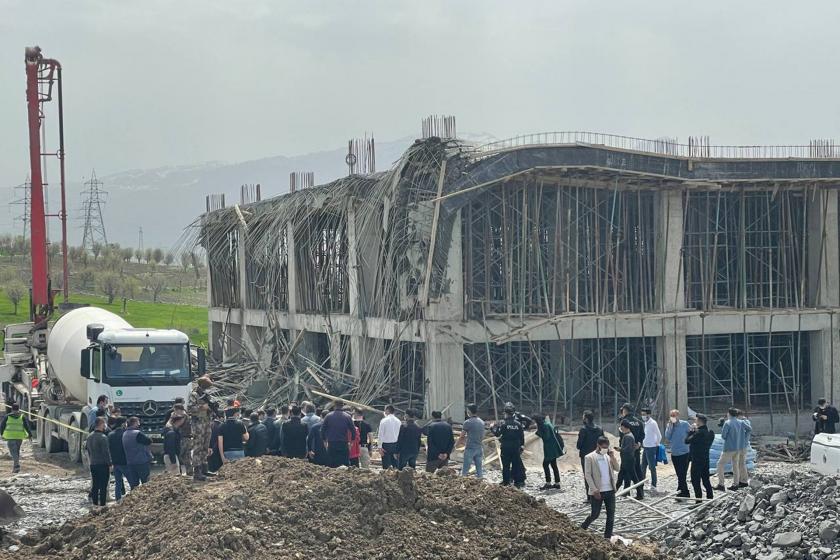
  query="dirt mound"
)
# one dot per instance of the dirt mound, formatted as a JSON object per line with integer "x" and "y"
{"x": 279, "y": 508}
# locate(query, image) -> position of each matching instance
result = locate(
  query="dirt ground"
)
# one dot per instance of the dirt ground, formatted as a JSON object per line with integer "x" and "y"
{"x": 290, "y": 509}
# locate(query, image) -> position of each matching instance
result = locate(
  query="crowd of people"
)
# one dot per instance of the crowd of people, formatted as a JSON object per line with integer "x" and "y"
{"x": 200, "y": 435}
{"x": 640, "y": 448}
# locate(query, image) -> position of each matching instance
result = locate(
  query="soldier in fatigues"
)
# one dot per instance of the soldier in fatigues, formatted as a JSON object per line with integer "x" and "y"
{"x": 200, "y": 415}
{"x": 186, "y": 446}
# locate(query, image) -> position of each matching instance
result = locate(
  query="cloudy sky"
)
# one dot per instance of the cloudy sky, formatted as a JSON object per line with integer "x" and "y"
{"x": 154, "y": 82}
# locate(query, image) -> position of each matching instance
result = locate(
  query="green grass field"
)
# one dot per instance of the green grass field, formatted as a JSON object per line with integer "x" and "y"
{"x": 189, "y": 319}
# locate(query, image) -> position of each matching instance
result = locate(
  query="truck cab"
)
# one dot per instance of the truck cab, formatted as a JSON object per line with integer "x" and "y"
{"x": 141, "y": 371}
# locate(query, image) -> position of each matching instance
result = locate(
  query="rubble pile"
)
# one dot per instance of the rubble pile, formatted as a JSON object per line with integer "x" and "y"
{"x": 278, "y": 508}
{"x": 776, "y": 518}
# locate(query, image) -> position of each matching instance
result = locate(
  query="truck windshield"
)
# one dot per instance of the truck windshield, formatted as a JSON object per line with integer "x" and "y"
{"x": 147, "y": 364}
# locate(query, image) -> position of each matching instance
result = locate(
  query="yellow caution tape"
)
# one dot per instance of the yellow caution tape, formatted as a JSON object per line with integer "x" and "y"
{"x": 56, "y": 422}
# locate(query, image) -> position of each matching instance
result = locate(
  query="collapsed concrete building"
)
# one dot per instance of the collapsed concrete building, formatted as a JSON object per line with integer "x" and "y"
{"x": 559, "y": 271}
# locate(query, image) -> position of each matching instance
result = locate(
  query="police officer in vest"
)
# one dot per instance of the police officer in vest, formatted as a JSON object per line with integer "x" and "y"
{"x": 511, "y": 436}
{"x": 15, "y": 428}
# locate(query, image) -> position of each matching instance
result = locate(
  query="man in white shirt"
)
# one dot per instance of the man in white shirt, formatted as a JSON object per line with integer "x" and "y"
{"x": 599, "y": 469}
{"x": 389, "y": 433}
{"x": 650, "y": 446}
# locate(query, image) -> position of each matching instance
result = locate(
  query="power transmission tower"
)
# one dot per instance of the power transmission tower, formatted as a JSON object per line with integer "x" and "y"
{"x": 94, "y": 227}
{"x": 22, "y": 198}
{"x": 140, "y": 239}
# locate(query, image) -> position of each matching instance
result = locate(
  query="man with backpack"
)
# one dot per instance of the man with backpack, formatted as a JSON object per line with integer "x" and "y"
{"x": 587, "y": 442}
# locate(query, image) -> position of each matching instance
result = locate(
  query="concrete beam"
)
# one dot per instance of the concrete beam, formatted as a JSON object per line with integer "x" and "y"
{"x": 579, "y": 326}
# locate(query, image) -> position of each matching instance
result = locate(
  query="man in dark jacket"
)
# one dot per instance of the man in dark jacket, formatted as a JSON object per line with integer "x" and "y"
{"x": 271, "y": 430}
{"x": 99, "y": 455}
{"x": 408, "y": 442}
{"x": 637, "y": 428}
{"x": 700, "y": 439}
{"x": 214, "y": 461}
{"x": 315, "y": 450}
{"x": 138, "y": 455}
{"x": 115, "y": 445}
{"x": 511, "y": 436}
{"x": 825, "y": 418}
{"x": 257, "y": 437}
{"x": 294, "y": 434}
{"x": 337, "y": 431}
{"x": 587, "y": 442}
{"x": 627, "y": 474}
{"x": 439, "y": 442}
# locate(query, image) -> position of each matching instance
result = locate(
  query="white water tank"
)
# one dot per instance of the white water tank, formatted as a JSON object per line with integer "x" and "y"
{"x": 68, "y": 338}
{"x": 825, "y": 454}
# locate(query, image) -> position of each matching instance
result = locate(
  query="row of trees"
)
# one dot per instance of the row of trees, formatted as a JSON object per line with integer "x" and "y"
{"x": 110, "y": 270}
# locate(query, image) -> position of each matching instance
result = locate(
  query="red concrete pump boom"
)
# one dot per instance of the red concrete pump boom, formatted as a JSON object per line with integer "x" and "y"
{"x": 42, "y": 74}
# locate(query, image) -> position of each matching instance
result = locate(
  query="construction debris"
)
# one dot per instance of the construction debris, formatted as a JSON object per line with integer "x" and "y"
{"x": 786, "y": 452}
{"x": 279, "y": 508}
{"x": 776, "y": 518}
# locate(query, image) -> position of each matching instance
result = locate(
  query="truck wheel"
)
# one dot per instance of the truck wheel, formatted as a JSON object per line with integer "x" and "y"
{"x": 74, "y": 444}
{"x": 41, "y": 435}
{"x": 51, "y": 441}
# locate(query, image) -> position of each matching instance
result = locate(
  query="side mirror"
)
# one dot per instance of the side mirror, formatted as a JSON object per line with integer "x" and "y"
{"x": 202, "y": 362}
{"x": 85, "y": 365}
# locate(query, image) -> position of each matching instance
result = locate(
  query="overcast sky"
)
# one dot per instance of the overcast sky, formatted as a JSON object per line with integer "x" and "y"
{"x": 154, "y": 82}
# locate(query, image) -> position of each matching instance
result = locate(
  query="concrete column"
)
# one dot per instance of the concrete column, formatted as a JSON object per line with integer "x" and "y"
{"x": 367, "y": 356}
{"x": 824, "y": 346}
{"x": 291, "y": 270}
{"x": 450, "y": 305}
{"x": 445, "y": 378}
{"x": 670, "y": 288}
{"x": 823, "y": 253}
{"x": 214, "y": 340}
{"x": 671, "y": 365}
{"x": 243, "y": 269}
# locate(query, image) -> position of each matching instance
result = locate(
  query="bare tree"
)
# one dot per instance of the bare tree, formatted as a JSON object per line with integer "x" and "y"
{"x": 155, "y": 283}
{"x": 185, "y": 261}
{"x": 138, "y": 255}
{"x": 169, "y": 259}
{"x": 157, "y": 256}
{"x": 14, "y": 292}
{"x": 86, "y": 278}
{"x": 126, "y": 253}
{"x": 109, "y": 285}
{"x": 147, "y": 255}
{"x": 96, "y": 249}
{"x": 128, "y": 289}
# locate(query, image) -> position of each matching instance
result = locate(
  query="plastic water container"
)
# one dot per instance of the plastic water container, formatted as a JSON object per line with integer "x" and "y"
{"x": 716, "y": 450}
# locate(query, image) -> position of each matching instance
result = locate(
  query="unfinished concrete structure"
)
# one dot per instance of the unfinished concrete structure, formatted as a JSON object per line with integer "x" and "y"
{"x": 560, "y": 271}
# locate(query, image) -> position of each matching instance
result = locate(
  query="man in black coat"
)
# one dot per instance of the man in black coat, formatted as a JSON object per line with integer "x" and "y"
{"x": 637, "y": 428}
{"x": 271, "y": 430}
{"x": 587, "y": 442}
{"x": 293, "y": 436}
{"x": 257, "y": 443}
{"x": 439, "y": 442}
{"x": 699, "y": 440}
{"x": 825, "y": 418}
{"x": 408, "y": 442}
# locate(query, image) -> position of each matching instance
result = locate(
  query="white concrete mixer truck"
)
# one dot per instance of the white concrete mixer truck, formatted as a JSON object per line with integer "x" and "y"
{"x": 59, "y": 372}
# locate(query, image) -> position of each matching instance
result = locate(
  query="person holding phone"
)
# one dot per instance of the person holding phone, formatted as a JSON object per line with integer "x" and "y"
{"x": 599, "y": 469}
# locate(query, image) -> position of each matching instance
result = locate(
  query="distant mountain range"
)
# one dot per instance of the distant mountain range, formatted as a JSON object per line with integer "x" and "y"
{"x": 165, "y": 200}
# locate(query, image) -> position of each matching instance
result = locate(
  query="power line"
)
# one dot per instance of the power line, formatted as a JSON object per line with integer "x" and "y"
{"x": 94, "y": 226}
{"x": 22, "y": 199}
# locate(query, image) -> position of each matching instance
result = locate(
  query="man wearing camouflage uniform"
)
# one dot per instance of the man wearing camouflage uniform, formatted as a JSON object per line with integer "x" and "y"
{"x": 200, "y": 414}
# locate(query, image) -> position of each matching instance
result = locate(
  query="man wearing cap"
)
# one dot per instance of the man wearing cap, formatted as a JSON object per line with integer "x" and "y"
{"x": 511, "y": 436}
{"x": 200, "y": 415}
